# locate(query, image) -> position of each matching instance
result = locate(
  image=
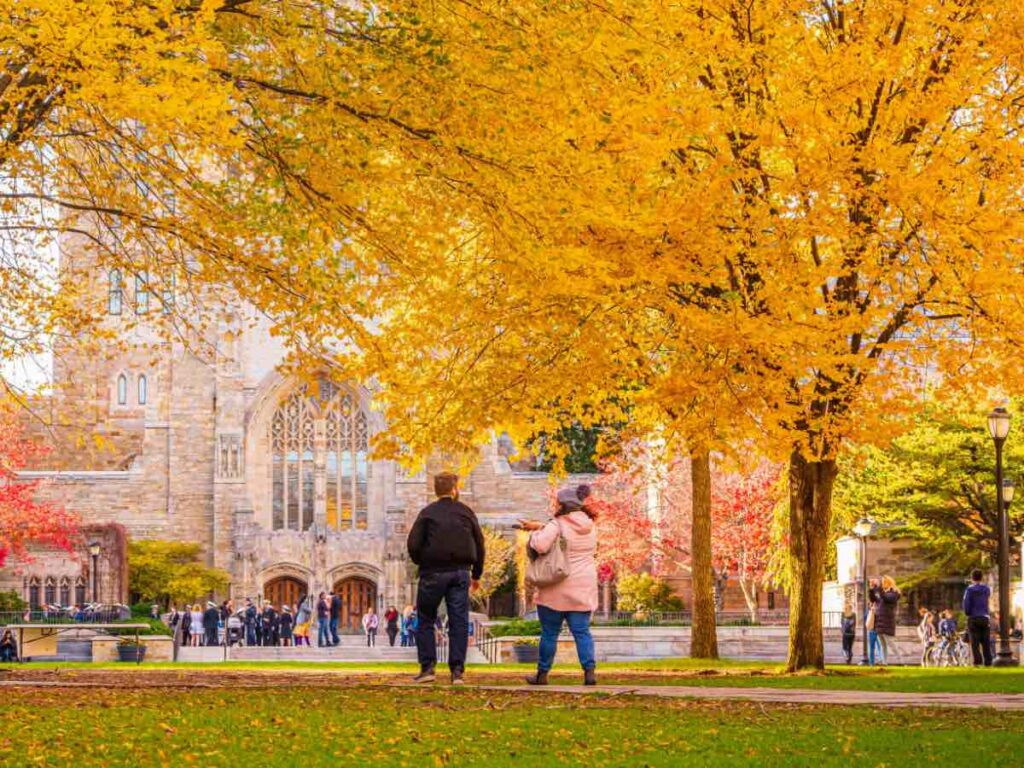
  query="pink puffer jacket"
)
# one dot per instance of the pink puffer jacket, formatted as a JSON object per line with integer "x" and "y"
{"x": 578, "y": 592}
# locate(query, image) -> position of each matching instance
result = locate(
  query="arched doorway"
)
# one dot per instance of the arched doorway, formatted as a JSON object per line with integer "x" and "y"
{"x": 357, "y": 594}
{"x": 284, "y": 590}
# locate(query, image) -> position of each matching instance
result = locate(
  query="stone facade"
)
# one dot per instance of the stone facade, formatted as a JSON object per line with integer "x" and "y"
{"x": 52, "y": 577}
{"x": 191, "y": 442}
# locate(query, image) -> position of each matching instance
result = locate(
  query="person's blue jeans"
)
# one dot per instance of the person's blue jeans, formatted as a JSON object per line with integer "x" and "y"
{"x": 551, "y": 625}
{"x": 873, "y": 643}
{"x": 453, "y": 588}
{"x": 323, "y": 637}
{"x": 334, "y": 631}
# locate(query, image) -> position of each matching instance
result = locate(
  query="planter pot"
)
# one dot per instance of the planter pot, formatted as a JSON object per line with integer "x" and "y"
{"x": 526, "y": 654}
{"x": 134, "y": 653}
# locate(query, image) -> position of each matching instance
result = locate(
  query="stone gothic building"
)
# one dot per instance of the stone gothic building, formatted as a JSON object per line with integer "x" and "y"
{"x": 208, "y": 442}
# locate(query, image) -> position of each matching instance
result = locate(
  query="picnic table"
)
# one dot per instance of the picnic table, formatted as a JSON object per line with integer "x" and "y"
{"x": 44, "y": 636}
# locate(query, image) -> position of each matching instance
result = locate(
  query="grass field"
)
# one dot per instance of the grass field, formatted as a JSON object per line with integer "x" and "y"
{"x": 307, "y": 726}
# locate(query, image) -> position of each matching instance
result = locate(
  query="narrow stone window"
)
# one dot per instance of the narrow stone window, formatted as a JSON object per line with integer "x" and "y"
{"x": 143, "y": 390}
{"x": 115, "y": 294}
{"x": 141, "y": 293}
{"x": 122, "y": 390}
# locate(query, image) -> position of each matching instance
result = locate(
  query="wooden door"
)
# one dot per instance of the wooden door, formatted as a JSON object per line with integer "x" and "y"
{"x": 356, "y": 596}
{"x": 284, "y": 590}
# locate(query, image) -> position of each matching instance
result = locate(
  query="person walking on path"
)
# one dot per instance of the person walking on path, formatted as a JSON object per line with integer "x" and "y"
{"x": 370, "y": 624}
{"x": 391, "y": 624}
{"x": 335, "y": 608}
{"x": 448, "y": 546}
{"x": 885, "y": 617}
{"x": 574, "y": 598}
{"x": 976, "y": 598}
{"x": 849, "y": 627}
{"x": 211, "y": 620}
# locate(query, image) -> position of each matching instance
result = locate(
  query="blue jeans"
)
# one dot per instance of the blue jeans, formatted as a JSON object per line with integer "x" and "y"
{"x": 873, "y": 643}
{"x": 334, "y": 630}
{"x": 323, "y": 637}
{"x": 551, "y": 624}
{"x": 453, "y": 588}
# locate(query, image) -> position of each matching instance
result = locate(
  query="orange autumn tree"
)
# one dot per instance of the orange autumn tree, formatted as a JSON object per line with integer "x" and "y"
{"x": 702, "y": 220}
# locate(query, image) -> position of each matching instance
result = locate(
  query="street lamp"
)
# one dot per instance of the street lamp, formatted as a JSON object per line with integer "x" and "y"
{"x": 999, "y": 428}
{"x": 94, "y": 550}
{"x": 864, "y": 528}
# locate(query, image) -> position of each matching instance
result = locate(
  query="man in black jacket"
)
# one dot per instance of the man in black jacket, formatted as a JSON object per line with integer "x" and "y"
{"x": 211, "y": 620}
{"x": 447, "y": 544}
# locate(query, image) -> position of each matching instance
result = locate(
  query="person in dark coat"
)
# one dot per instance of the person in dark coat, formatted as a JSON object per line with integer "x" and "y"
{"x": 8, "y": 648}
{"x": 335, "y": 615}
{"x": 285, "y": 622}
{"x": 269, "y": 625}
{"x": 186, "y": 626}
{"x": 849, "y": 627}
{"x": 885, "y": 617}
{"x": 211, "y": 620}
{"x": 391, "y": 624}
{"x": 448, "y": 546}
{"x": 249, "y": 619}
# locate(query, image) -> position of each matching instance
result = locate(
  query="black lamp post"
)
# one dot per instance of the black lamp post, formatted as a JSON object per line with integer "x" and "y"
{"x": 864, "y": 528}
{"x": 999, "y": 428}
{"x": 94, "y": 550}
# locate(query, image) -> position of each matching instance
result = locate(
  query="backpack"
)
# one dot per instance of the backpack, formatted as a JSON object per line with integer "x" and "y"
{"x": 551, "y": 567}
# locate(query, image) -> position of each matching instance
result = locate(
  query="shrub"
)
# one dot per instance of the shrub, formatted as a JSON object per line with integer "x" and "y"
{"x": 515, "y": 627}
{"x": 643, "y": 592}
{"x": 11, "y": 601}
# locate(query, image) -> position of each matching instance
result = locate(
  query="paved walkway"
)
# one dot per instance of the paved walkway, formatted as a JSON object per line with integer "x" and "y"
{"x": 1003, "y": 701}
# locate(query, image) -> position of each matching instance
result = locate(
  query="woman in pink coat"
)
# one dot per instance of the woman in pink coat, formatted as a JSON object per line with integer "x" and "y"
{"x": 573, "y": 599}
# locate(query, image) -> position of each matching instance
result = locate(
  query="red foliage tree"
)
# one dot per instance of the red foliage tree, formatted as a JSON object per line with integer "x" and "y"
{"x": 644, "y": 520}
{"x": 23, "y": 519}
{"x": 742, "y": 507}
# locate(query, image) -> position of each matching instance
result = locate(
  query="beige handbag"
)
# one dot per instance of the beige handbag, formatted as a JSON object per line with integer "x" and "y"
{"x": 551, "y": 567}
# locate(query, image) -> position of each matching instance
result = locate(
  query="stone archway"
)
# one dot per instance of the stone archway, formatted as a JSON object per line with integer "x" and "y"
{"x": 357, "y": 594}
{"x": 285, "y": 590}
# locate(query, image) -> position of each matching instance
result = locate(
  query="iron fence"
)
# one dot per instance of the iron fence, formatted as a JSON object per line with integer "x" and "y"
{"x": 104, "y": 615}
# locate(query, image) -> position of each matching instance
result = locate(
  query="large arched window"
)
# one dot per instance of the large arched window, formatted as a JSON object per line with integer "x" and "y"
{"x": 335, "y": 413}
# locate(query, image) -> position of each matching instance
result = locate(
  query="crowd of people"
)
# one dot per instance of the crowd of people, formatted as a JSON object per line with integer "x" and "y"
{"x": 937, "y": 630}
{"x": 285, "y": 625}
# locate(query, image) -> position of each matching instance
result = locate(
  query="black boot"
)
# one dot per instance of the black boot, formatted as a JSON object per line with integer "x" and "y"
{"x": 589, "y": 678}
{"x": 541, "y": 678}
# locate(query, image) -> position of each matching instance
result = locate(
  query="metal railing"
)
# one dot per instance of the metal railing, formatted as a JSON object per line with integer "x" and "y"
{"x": 103, "y": 615}
{"x": 685, "y": 618}
{"x": 486, "y": 644}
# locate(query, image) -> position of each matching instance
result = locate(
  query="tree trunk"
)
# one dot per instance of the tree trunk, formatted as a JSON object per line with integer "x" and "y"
{"x": 703, "y": 637}
{"x": 749, "y": 597}
{"x": 810, "y": 513}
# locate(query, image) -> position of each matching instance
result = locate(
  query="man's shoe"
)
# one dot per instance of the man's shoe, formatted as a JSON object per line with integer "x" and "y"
{"x": 425, "y": 676}
{"x": 589, "y": 677}
{"x": 539, "y": 678}
{"x": 457, "y": 678}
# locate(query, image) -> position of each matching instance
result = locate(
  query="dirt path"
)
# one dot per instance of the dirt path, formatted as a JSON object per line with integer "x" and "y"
{"x": 200, "y": 678}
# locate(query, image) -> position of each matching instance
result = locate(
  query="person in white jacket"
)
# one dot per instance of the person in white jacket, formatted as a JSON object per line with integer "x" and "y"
{"x": 370, "y": 624}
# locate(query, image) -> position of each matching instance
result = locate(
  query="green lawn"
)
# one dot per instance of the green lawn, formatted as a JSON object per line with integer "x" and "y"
{"x": 443, "y": 726}
{"x": 662, "y": 672}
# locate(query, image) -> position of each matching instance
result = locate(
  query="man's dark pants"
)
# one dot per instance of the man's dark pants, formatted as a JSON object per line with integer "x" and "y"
{"x": 978, "y": 628}
{"x": 211, "y": 636}
{"x": 453, "y": 588}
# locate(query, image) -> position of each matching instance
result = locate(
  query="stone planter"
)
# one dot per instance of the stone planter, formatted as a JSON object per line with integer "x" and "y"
{"x": 126, "y": 652}
{"x": 526, "y": 654}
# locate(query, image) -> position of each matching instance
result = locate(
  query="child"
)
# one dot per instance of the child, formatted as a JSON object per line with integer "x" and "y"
{"x": 849, "y": 627}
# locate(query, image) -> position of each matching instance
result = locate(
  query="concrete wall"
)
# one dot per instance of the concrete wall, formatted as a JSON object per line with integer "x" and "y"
{"x": 740, "y": 643}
